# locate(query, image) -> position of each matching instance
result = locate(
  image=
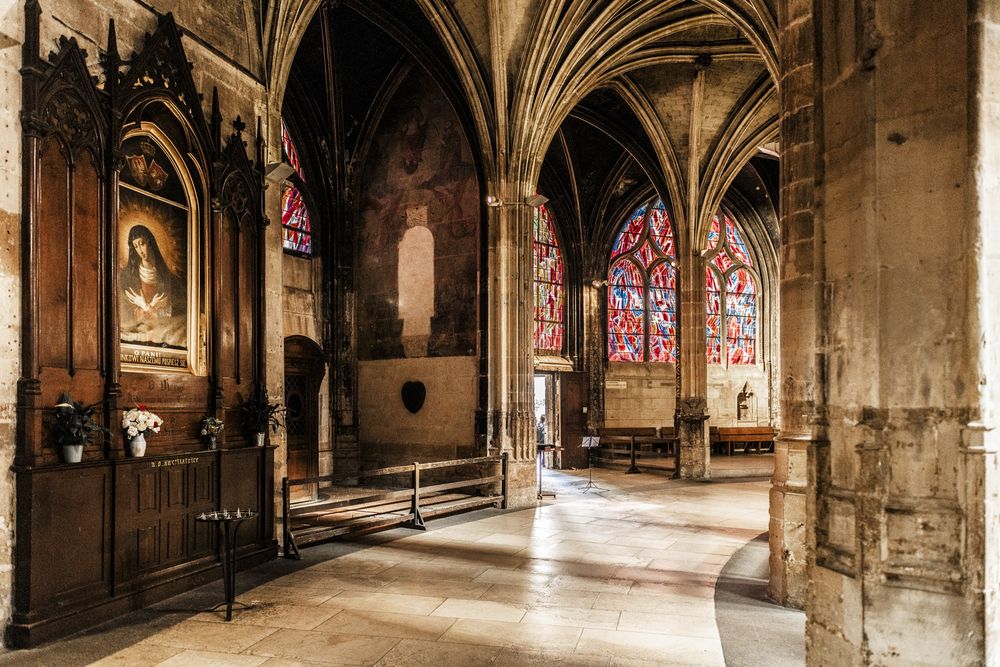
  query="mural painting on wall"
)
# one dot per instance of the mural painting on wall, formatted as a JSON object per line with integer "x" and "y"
{"x": 153, "y": 252}
{"x": 418, "y": 239}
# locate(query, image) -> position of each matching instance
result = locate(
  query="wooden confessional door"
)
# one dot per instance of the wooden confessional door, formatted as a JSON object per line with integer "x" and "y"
{"x": 573, "y": 389}
{"x": 304, "y": 370}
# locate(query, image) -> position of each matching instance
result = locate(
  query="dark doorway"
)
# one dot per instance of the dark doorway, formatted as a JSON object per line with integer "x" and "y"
{"x": 304, "y": 371}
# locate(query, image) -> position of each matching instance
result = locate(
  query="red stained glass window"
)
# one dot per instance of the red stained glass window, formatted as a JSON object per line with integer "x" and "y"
{"x": 731, "y": 297}
{"x": 642, "y": 289}
{"x": 296, "y": 227}
{"x": 550, "y": 299}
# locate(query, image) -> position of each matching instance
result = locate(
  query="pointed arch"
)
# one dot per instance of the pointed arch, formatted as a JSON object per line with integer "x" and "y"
{"x": 642, "y": 288}
{"x": 732, "y": 289}
{"x": 550, "y": 288}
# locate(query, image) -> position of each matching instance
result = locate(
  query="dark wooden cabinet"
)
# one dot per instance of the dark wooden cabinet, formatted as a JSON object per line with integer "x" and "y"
{"x": 98, "y": 539}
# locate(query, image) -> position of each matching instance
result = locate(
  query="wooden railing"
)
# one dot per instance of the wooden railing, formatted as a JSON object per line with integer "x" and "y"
{"x": 351, "y": 507}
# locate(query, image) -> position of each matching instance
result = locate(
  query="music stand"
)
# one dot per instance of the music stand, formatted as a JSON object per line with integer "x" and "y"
{"x": 590, "y": 443}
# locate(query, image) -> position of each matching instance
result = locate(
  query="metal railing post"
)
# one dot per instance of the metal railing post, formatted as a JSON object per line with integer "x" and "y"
{"x": 418, "y": 521}
{"x": 503, "y": 480}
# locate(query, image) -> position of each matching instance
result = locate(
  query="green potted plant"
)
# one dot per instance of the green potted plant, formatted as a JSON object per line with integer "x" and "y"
{"x": 73, "y": 426}
{"x": 259, "y": 413}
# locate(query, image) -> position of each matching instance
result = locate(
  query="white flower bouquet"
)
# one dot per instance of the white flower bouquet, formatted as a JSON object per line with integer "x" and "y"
{"x": 139, "y": 420}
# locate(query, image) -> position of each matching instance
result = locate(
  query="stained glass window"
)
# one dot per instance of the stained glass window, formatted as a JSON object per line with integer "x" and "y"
{"x": 549, "y": 291}
{"x": 730, "y": 290}
{"x": 296, "y": 228}
{"x": 642, "y": 289}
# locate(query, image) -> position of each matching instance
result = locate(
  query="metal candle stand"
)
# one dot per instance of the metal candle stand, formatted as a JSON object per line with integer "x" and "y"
{"x": 228, "y": 524}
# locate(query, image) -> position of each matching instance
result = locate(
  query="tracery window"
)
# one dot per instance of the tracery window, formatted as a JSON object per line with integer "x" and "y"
{"x": 642, "y": 289}
{"x": 296, "y": 228}
{"x": 730, "y": 290}
{"x": 550, "y": 293}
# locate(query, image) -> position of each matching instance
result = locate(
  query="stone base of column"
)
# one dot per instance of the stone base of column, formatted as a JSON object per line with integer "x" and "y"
{"x": 522, "y": 484}
{"x": 787, "y": 526}
{"x": 694, "y": 446}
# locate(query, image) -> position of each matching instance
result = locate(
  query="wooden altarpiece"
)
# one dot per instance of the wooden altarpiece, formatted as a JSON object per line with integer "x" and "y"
{"x": 103, "y": 157}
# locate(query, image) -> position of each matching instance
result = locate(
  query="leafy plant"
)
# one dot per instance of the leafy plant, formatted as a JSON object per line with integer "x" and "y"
{"x": 74, "y": 423}
{"x": 259, "y": 412}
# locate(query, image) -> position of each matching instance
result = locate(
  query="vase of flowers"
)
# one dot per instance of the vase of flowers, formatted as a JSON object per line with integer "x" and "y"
{"x": 73, "y": 426}
{"x": 211, "y": 427}
{"x": 136, "y": 423}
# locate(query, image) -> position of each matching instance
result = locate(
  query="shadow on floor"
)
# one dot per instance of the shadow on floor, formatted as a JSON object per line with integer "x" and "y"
{"x": 755, "y": 631}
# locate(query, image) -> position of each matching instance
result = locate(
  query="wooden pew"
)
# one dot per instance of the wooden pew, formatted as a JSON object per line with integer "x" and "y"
{"x": 616, "y": 444}
{"x": 725, "y": 438}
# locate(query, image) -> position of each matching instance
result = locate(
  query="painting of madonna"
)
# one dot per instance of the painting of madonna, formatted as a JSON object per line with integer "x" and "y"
{"x": 153, "y": 290}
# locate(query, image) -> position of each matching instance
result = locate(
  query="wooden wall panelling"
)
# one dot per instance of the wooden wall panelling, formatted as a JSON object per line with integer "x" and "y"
{"x": 112, "y": 534}
{"x": 53, "y": 216}
{"x": 157, "y": 500}
{"x": 69, "y": 520}
{"x": 243, "y": 476}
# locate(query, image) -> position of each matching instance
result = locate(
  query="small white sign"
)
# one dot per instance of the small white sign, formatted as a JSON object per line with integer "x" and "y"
{"x": 615, "y": 384}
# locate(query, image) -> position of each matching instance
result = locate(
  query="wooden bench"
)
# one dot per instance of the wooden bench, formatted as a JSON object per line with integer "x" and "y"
{"x": 651, "y": 443}
{"x": 724, "y": 439}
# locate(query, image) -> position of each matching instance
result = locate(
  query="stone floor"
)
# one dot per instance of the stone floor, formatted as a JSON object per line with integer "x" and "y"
{"x": 620, "y": 575}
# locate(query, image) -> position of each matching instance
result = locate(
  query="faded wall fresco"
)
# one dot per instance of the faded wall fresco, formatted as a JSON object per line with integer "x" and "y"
{"x": 419, "y": 173}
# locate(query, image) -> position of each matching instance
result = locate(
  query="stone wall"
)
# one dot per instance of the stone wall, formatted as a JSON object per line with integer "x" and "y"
{"x": 11, "y": 38}
{"x": 302, "y": 310}
{"x": 442, "y": 429}
{"x": 648, "y": 395}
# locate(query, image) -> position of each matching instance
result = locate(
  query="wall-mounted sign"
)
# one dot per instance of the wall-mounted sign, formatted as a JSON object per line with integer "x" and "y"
{"x": 615, "y": 384}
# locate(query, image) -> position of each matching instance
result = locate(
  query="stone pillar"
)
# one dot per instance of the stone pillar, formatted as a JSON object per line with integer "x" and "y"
{"x": 511, "y": 370}
{"x": 274, "y": 292}
{"x": 905, "y": 564}
{"x": 12, "y": 33}
{"x": 692, "y": 398}
{"x": 595, "y": 352}
{"x": 798, "y": 307}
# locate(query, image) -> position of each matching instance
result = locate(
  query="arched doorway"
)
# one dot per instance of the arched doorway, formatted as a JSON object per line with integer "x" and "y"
{"x": 304, "y": 371}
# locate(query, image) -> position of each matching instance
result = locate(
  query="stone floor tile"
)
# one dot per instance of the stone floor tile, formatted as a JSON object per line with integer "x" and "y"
{"x": 654, "y": 604}
{"x": 437, "y": 587}
{"x": 517, "y": 635}
{"x": 209, "y": 659}
{"x": 575, "y": 618}
{"x": 137, "y": 655}
{"x": 482, "y": 610}
{"x": 653, "y": 647}
{"x": 323, "y": 647}
{"x": 513, "y": 657}
{"x": 274, "y": 616}
{"x": 421, "y": 605}
{"x": 413, "y": 653}
{"x": 303, "y": 597}
{"x": 386, "y": 624}
{"x": 668, "y": 624}
{"x": 207, "y": 636}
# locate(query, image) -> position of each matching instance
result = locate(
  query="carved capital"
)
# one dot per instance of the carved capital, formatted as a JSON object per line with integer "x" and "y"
{"x": 693, "y": 409}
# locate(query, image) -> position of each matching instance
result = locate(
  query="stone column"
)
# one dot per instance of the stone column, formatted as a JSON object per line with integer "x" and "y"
{"x": 906, "y": 552}
{"x": 798, "y": 307}
{"x": 595, "y": 352}
{"x": 274, "y": 331}
{"x": 511, "y": 371}
{"x": 692, "y": 399}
